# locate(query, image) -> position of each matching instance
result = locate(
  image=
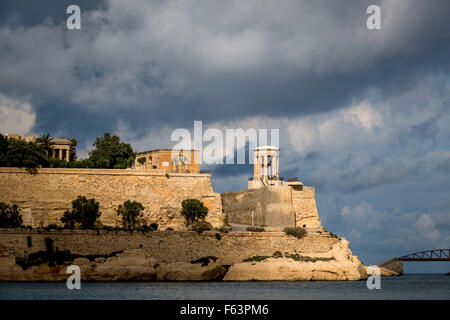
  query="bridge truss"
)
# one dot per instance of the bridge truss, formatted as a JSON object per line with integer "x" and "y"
{"x": 429, "y": 255}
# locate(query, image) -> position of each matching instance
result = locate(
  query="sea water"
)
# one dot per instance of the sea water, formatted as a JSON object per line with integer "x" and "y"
{"x": 408, "y": 286}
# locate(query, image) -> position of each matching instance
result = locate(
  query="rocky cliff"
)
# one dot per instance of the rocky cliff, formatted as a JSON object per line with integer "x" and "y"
{"x": 263, "y": 256}
{"x": 337, "y": 264}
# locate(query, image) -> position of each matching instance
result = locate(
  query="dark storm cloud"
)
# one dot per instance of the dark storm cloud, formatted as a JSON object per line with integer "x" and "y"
{"x": 175, "y": 65}
{"x": 30, "y": 13}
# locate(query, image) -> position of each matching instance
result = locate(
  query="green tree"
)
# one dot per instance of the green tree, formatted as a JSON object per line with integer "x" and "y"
{"x": 10, "y": 216}
{"x": 110, "y": 153}
{"x": 193, "y": 210}
{"x": 45, "y": 141}
{"x": 130, "y": 212}
{"x": 68, "y": 219}
{"x": 3, "y": 150}
{"x": 84, "y": 213}
{"x": 73, "y": 150}
{"x": 25, "y": 154}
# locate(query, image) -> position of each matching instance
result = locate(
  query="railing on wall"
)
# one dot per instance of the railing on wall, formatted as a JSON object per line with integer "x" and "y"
{"x": 252, "y": 178}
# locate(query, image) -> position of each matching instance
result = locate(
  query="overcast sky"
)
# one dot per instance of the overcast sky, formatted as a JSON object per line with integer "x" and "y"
{"x": 364, "y": 116}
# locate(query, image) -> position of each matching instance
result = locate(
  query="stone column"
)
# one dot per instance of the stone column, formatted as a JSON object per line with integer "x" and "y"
{"x": 60, "y": 154}
{"x": 256, "y": 163}
{"x": 68, "y": 155}
{"x": 265, "y": 166}
{"x": 53, "y": 154}
{"x": 257, "y": 166}
{"x": 275, "y": 166}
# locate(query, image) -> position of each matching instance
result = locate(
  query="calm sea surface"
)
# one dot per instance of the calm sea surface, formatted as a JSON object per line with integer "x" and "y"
{"x": 409, "y": 286}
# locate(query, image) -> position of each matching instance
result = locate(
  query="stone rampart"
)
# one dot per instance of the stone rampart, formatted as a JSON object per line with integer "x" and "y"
{"x": 43, "y": 196}
{"x": 273, "y": 206}
{"x": 165, "y": 246}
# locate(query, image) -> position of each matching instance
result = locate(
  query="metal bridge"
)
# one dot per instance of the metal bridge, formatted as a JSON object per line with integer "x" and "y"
{"x": 429, "y": 255}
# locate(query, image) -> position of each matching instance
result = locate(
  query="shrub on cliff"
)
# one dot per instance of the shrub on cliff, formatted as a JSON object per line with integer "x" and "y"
{"x": 200, "y": 226}
{"x": 147, "y": 228}
{"x": 84, "y": 213}
{"x": 193, "y": 210}
{"x": 154, "y": 226}
{"x": 130, "y": 212}
{"x": 296, "y": 232}
{"x": 110, "y": 153}
{"x": 10, "y": 216}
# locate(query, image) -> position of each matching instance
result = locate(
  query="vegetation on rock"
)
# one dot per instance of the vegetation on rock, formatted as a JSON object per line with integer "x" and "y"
{"x": 10, "y": 216}
{"x": 84, "y": 213}
{"x": 296, "y": 232}
{"x": 256, "y": 259}
{"x": 130, "y": 212}
{"x": 200, "y": 226}
{"x": 193, "y": 210}
{"x": 293, "y": 256}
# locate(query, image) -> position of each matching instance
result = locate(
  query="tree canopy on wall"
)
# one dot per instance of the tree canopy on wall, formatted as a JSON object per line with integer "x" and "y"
{"x": 193, "y": 210}
{"x": 84, "y": 213}
{"x": 111, "y": 153}
{"x": 19, "y": 153}
{"x": 130, "y": 211}
{"x": 10, "y": 216}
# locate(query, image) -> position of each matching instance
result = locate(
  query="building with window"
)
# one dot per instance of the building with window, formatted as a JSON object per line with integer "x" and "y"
{"x": 172, "y": 161}
{"x": 60, "y": 147}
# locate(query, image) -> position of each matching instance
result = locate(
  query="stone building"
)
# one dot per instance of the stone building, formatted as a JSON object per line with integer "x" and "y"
{"x": 171, "y": 161}
{"x": 265, "y": 168}
{"x": 19, "y": 137}
{"x": 60, "y": 147}
{"x": 270, "y": 201}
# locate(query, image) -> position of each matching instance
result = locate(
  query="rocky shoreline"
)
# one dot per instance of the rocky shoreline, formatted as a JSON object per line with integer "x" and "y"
{"x": 137, "y": 265}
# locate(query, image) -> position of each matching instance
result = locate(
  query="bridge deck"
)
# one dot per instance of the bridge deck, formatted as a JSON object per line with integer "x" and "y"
{"x": 429, "y": 255}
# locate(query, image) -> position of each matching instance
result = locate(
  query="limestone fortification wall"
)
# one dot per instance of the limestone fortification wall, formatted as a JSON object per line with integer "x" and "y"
{"x": 304, "y": 203}
{"x": 273, "y": 206}
{"x": 270, "y": 206}
{"x": 45, "y": 195}
{"x": 165, "y": 246}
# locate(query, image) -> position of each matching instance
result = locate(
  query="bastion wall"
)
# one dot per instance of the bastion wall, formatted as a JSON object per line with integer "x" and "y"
{"x": 273, "y": 206}
{"x": 165, "y": 246}
{"x": 44, "y": 195}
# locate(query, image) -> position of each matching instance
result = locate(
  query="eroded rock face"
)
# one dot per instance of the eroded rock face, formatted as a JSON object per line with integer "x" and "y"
{"x": 133, "y": 265}
{"x": 129, "y": 265}
{"x": 181, "y": 271}
{"x": 287, "y": 270}
{"x": 392, "y": 267}
{"x": 337, "y": 264}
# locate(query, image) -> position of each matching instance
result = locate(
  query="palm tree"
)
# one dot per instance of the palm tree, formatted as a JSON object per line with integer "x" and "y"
{"x": 46, "y": 142}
